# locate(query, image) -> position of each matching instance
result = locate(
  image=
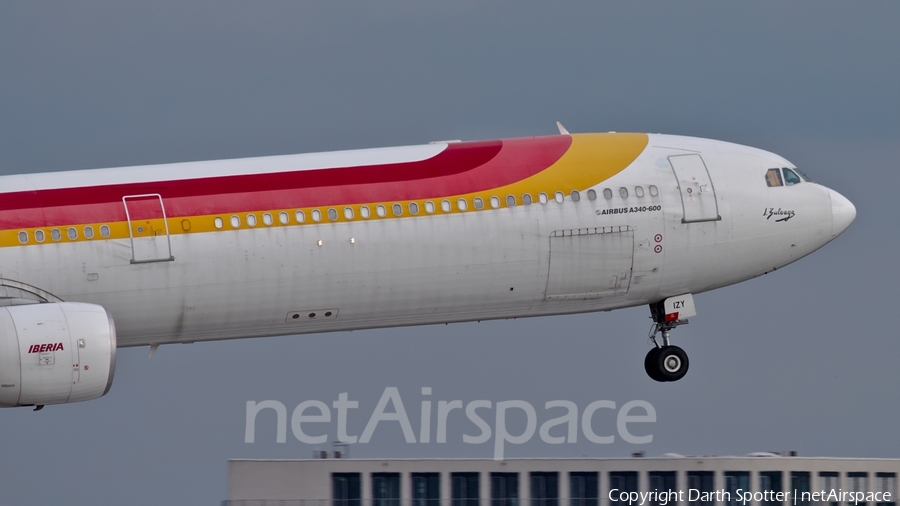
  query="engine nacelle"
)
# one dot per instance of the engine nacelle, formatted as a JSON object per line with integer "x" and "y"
{"x": 55, "y": 353}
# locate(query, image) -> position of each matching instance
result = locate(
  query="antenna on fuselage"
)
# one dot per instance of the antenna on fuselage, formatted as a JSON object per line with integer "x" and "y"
{"x": 562, "y": 129}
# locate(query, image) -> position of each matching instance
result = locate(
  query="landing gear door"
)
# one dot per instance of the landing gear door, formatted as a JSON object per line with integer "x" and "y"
{"x": 148, "y": 228}
{"x": 698, "y": 195}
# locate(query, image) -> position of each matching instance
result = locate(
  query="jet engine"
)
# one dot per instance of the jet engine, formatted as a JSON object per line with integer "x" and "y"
{"x": 55, "y": 353}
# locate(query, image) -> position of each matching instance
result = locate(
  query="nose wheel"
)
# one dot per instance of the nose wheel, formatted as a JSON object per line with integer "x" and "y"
{"x": 667, "y": 362}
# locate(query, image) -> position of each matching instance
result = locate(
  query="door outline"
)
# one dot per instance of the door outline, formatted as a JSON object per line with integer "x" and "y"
{"x": 162, "y": 208}
{"x": 686, "y": 192}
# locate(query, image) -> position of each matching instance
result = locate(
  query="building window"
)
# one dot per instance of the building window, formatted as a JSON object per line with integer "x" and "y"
{"x": 345, "y": 489}
{"x": 828, "y": 482}
{"x": 886, "y": 483}
{"x": 544, "y": 489}
{"x": 702, "y": 482}
{"x": 464, "y": 488}
{"x": 426, "y": 489}
{"x": 800, "y": 483}
{"x": 770, "y": 481}
{"x": 734, "y": 481}
{"x": 504, "y": 489}
{"x": 623, "y": 481}
{"x": 663, "y": 483}
{"x": 857, "y": 482}
{"x": 583, "y": 489}
{"x": 385, "y": 489}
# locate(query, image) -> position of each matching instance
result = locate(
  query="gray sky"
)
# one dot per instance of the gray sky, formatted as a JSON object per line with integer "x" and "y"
{"x": 801, "y": 359}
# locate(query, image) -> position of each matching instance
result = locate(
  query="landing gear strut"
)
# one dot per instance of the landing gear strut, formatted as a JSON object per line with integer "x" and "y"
{"x": 668, "y": 362}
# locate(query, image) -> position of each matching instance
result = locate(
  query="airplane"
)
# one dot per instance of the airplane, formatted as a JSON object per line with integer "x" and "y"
{"x": 450, "y": 231}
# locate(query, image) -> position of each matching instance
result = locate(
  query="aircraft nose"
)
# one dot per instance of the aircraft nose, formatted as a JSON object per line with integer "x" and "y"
{"x": 843, "y": 212}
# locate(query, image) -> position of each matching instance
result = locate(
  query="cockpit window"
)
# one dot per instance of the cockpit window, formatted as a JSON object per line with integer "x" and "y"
{"x": 802, "y": 175}
{"x": 773, "y": 177}
{"x": 791, "y": 177}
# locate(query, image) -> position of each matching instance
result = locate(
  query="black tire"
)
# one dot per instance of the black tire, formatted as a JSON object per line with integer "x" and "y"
{"x": 671, "y": 363}
{"x": 651, "y": 364}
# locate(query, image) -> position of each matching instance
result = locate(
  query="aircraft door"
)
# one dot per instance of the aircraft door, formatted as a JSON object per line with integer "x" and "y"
{"x": 148, "y": 228}
{"x": 590, "y": 263}
{"x": 698, "y": 195}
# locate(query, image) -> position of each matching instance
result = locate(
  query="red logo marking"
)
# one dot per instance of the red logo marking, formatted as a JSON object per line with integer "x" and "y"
{"x": 43, "y": 348}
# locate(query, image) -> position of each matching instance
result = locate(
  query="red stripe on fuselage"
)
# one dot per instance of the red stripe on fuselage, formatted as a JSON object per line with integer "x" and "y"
{"x": 461, "y": 168}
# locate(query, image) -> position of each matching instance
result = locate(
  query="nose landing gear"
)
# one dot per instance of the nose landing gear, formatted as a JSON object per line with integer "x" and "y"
{"x": 667, "y": 362}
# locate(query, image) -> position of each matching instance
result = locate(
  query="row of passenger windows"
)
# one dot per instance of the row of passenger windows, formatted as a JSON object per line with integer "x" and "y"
{"x": 56, "y": 234}
{"x": 413, "y": 208}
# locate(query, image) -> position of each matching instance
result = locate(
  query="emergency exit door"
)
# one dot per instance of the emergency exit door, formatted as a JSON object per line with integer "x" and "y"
{"x": 698, "y": 195}
{"x": 148, "y": 228}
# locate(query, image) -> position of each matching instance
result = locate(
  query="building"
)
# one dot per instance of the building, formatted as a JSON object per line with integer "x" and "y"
{"x": 762, "y": 479}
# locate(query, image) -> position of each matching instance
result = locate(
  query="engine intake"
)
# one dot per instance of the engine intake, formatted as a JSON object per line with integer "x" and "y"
{"x": 55, "y": 353}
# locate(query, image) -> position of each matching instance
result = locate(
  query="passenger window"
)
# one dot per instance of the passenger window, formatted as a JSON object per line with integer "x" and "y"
{"x": 592, "y": 195}
{"x": 773, "y": 177}
{"x": 526, "y": 199}
{"x": 380, "y": 211}
{"x": 559, "y": 197}
{"x": 397, "y": 209}
{"x": 72, "y": 233}
{"x": 510, "y": 201}
{"x": 348, "y": 213}
{"x": 495, "y": 202}
{"x": 267, "y": 219}
{"x": 364, "y": 212}
{"x": 300, "y": 216}
{"x": 462, "y": 204}
{"x": 607, "y": 194}
{"x": 39, "y": 235}
{"x": 623, "y": 192}
{"x": 282, "y": 217}
{"x": 791, "y": 178}
{"x": 413, "y": 208}
{"x": 104, "y": 230}
{"x": 88, "y": 232}
{"x": 332, "y": 213}
{"x": 445, "y": 206}
{"x": 235, "y": 221}
{"x": 23, "y": 237}
{"x": 542, "y": 198}
{"x": 639, "y": 191}
{"x": 575, "y": 196}
{"x": 429, "y": 207}
{"x": 479, "y": 204}
{"x": 316, "y": 215}
{"x": 251, "y": 220}
{"x": 654, "y": 191}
